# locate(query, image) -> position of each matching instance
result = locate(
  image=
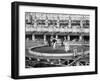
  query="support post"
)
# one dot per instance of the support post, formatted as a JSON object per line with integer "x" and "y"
{"x": 69, "y": 22}
{"x": 80, "y": 38}
{"x": 56, "y": 36}
{"x": 44, "y": 38}
{"x": 59, "y": 61}
{"x": 46, "y": 21}
{"x": 81, "y": 24}
{"x": 33, "y": 37}
{"x": 58, "y": 22}
{"x": 68, "y": 37}
{"x": 64, "y": 37}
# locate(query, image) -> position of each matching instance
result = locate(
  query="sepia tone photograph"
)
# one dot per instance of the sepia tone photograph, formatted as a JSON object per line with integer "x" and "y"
{"x": 56, "y": 40}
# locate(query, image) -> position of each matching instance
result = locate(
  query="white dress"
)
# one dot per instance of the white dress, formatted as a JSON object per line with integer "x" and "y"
{"x": 66, "y": 46}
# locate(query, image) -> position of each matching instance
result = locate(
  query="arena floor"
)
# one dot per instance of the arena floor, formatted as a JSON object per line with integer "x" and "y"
{"x": 42, "y": 62}
{"x": 60, "y": 49}
{"x": 50, "y": 50}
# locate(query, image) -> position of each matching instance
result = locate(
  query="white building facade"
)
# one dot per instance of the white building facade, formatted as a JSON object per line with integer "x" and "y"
{"x": 43, "y": 26}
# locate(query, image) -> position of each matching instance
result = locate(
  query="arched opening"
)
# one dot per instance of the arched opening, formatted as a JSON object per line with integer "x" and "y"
{"x": 39, "y": 37}
{"x": 28, "y": 36}
{"x": 48, "y": 37}
{"x": 74, "y": 37}
{"x": 86, "y": 38}
{"x": 61, "y": 37}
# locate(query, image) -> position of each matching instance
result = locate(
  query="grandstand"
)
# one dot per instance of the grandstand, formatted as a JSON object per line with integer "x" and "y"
{"x": 69, "y": 30}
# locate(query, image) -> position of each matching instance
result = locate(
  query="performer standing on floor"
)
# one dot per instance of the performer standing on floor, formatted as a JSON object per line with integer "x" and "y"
{"x": 54, "y": 43}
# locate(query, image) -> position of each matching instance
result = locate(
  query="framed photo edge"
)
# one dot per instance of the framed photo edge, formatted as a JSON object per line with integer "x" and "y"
{"x": 15, "y": 39}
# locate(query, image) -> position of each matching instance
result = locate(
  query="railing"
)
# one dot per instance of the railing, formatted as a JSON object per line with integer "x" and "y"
{"x": 58, "y": 30}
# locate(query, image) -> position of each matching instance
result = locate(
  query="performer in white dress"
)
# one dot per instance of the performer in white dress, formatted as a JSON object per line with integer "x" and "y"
{"x": 66, "y": 46}
{"x": 54, "y": 43}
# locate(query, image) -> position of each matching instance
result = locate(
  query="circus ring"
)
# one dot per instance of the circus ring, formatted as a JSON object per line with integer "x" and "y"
{"x": 55, "y": 56}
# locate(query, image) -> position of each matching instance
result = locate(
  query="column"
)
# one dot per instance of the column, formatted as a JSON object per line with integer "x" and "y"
{"x": 35, "y": 21}
{"x": 44, "y": 38}
{"x": 69, "y": 22}
{"x": 68, "y": 38}
{"x": 33, "y": 37}
{"x": 65, "y": 38}
{"x": 58, "y": 22}
{"x": 67, "y": 62}
{"x": 30, "y": 18}
{"x": 35, "y": 24}
{"x": 81, "y": 24}
{"x": 56, "y": 36}
{"x": 46, "y": 21}
{"x": 80, "y": 37}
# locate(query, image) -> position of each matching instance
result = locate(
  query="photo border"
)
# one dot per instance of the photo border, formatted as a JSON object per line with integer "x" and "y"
{"x": 15, "y": 39}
